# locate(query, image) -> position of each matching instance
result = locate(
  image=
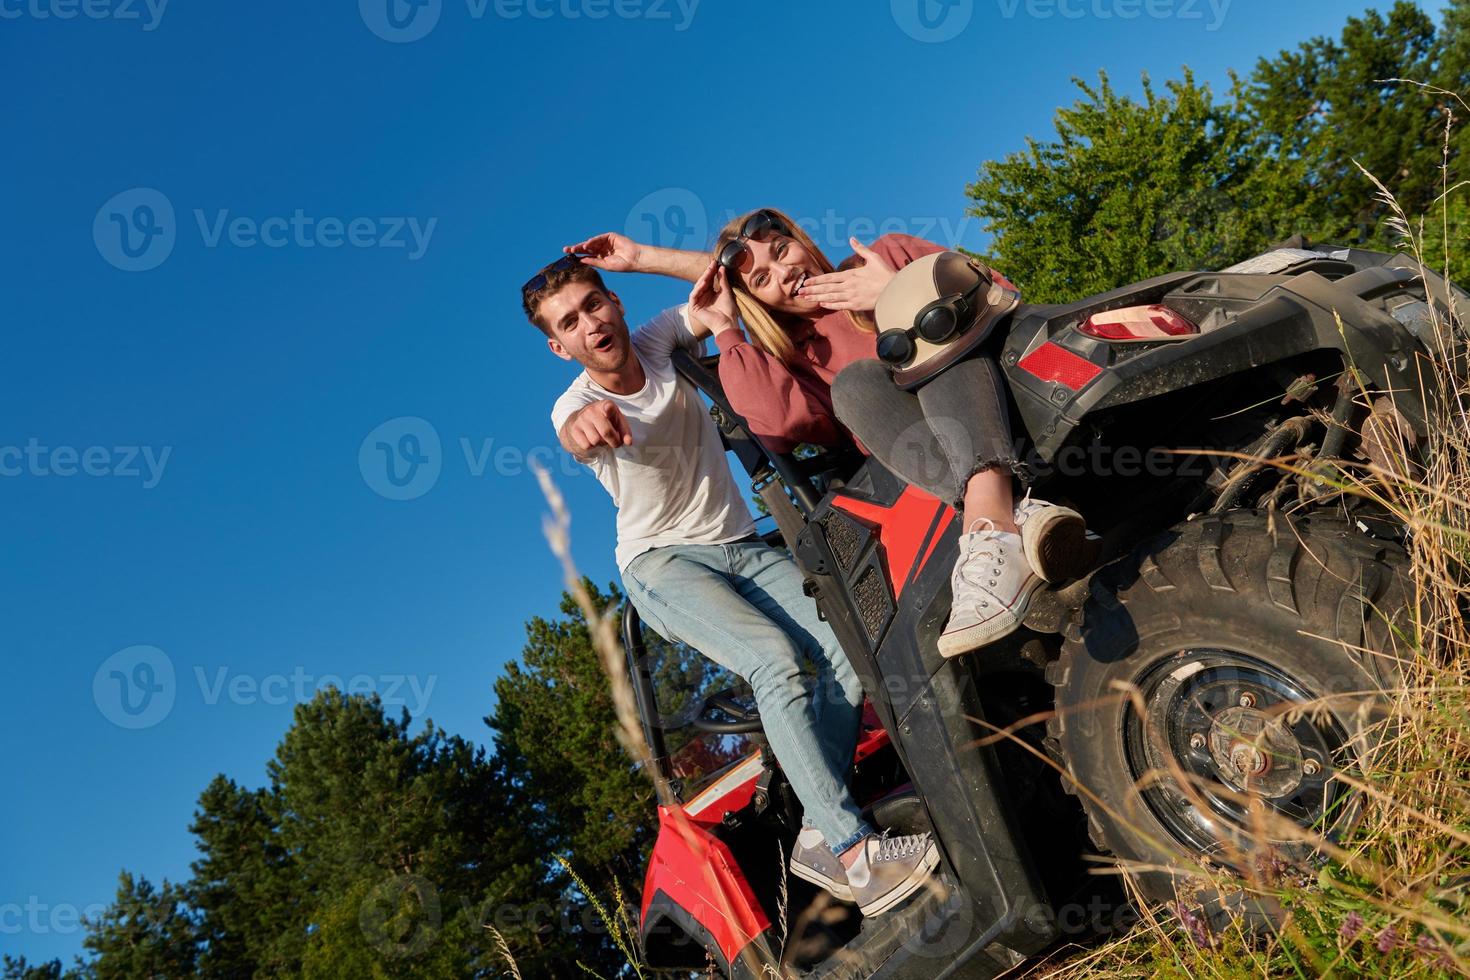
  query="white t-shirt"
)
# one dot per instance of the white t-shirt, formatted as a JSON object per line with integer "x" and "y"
{"x": 673, "y": 485}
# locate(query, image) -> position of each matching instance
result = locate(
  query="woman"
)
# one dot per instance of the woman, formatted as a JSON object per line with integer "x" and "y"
{"x": 810, "y": 367}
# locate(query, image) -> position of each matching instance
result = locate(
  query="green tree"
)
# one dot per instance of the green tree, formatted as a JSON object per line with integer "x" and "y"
{"x": 1131, "y": 188}
{"x": 1124, "y": 192}
{"x": 147, "y": 931}
{"x": 372, "y": 849}
{"x": 554, "y": 734}
{"x": 20, "y": 969}
{"x": 1329, "y": 106}
{"x": 243, "y": 886}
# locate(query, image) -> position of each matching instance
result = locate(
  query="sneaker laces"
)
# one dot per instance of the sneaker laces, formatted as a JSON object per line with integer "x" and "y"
{"x": 1022, "y": 508}
{"x": 987, "y": 547}
{"x": 898, "y": 848}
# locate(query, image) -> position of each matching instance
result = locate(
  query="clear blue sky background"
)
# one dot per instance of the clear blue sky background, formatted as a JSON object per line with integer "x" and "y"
{"x": 264, "y": 550}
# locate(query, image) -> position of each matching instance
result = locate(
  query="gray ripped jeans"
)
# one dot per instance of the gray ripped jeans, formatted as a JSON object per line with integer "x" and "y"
{"x": 937, "y": 436}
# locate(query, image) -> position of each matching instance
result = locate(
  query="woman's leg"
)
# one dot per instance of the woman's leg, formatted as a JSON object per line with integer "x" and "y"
{"x": 1004, "y": 547}
{"x": 890, "y": 423}
{"x": 970, "y": 395}
{"x": 967, "y": 413}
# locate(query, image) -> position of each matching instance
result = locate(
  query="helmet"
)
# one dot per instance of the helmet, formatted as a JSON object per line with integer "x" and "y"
{"x": 936, "y": 310}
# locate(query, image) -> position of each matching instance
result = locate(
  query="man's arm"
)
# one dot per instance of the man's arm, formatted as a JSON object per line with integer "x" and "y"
{"x": 595, "y": 427}
{"x": 612, "y": 252}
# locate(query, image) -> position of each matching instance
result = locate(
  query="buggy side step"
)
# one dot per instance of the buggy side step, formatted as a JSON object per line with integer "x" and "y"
{"x": 934, "y": 936}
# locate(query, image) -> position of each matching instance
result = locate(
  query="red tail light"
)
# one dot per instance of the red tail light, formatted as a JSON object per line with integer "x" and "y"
{"x": 1138, "y": 323}
{"x": 1052, "y": 362}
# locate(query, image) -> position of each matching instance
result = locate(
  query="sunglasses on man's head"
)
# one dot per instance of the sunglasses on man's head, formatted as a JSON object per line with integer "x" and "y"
{"x": 538, "y": 282}
{"x": 757, "y": 226}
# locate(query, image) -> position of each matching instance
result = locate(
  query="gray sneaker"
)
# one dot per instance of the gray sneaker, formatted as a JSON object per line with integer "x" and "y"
{"x": 891, "y": 869}
{"x": 812, "y": 860}
{"x": 1054, "y": 538}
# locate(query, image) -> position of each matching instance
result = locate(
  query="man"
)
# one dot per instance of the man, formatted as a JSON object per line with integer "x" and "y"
{"x": 697, "y": 573}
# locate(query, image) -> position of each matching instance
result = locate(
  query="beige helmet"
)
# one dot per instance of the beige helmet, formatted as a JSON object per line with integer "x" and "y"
{"x": 935, "y": 311}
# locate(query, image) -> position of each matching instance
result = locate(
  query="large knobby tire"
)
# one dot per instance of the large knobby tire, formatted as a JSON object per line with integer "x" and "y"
{"x": 1215, "y": 628}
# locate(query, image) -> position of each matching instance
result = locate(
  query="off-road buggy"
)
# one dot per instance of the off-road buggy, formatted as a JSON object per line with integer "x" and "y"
{"x": 1226, "y": 590}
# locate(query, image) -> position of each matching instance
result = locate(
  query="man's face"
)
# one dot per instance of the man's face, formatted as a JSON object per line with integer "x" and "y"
{"x": 587, "y": 326}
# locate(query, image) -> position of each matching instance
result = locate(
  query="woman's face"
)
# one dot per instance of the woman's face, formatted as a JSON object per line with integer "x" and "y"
{"x": 774, "y": 271}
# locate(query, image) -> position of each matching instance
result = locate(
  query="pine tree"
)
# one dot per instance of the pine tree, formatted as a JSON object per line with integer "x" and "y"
{"x": 553, "y": 724}
{"x": 1131, "y": 188}
{"x": 147, "y": 931}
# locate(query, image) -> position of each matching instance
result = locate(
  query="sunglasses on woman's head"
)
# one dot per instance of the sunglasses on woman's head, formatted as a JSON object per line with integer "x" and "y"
{"x": 538, "y": 282}
{"x": 757, "y": 226}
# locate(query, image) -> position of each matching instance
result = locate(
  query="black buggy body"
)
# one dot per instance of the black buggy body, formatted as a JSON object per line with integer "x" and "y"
{"x": 1225, "y": 591}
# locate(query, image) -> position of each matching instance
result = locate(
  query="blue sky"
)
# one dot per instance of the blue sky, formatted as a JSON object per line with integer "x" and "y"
{"x": 200, "y": 526}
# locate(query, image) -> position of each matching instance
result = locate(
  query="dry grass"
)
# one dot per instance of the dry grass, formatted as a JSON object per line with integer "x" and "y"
{"x": 1393, "y": 900}
{"x": 629, "y": 731}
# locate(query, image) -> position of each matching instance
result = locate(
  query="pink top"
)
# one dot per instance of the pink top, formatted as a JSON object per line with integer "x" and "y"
{"x": 790, "y": 402}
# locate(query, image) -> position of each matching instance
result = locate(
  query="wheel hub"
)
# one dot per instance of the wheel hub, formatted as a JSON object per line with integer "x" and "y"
{"x": 1254, "y": 752}
{"x": 1222, "y": 721}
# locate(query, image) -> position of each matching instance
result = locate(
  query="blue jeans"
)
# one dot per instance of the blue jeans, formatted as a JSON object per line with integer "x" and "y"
{"x": 742, "y": 606}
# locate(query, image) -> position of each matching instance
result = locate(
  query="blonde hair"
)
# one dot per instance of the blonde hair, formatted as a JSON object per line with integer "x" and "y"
{"x": 770, "y": 328}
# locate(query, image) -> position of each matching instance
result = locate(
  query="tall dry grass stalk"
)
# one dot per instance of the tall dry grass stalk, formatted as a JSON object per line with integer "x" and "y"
{"x": 626, "y": 725}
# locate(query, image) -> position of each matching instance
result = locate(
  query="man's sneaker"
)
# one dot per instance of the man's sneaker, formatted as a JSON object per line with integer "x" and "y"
{"x": 812, "y": 860}
{"x": 991, "y": 588}
{"x": 1054, "y": 538}
{"x": 890, "y": 869}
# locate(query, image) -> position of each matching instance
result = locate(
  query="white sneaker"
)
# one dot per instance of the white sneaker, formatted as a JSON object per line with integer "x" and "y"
{"x": 991, "y": 586}
{"x": 1053, "y": 537}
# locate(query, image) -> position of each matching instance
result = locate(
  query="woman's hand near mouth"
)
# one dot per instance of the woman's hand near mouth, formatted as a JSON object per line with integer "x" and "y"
{"x": 851, "y": 289}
